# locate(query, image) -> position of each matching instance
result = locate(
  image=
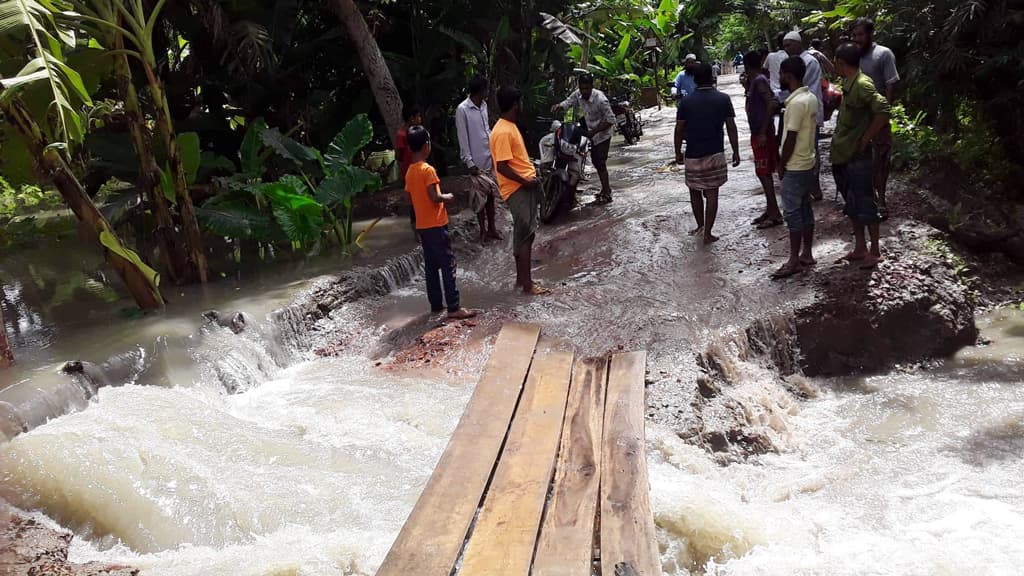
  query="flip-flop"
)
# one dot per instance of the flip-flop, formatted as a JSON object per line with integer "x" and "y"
{"x": 759, "y": 219}
{"x": 810, "y": 264}
{"x": 770, "y": 223}
{"x": 786, "y": 271}
{"x": 851, "y": 258}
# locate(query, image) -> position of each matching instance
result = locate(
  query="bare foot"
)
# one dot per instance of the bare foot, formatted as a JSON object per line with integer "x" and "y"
{"x": 788, "y": 269}
{"x": 808, "y": 261}
{"x": 710, "y": 238}
{"x": 870, "y": 261}
{"x": 462, "y": 314}
{"x": 494, "y": 235}
{"x": 855, "y": 256}
{"x": 536, "y": 290}
{"x": 696, "y": 231}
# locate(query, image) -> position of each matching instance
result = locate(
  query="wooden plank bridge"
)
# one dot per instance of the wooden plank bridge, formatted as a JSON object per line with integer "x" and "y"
{"x": 546, "y": 473}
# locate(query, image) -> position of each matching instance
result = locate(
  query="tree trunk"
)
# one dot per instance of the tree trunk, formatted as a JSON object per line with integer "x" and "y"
{"x": 177, "y": 172}
{"x": 173, "y": 254}
{"x": 374, "y": 66}
{"x": 51, "y": 165}
{"x": 6, "y": 356}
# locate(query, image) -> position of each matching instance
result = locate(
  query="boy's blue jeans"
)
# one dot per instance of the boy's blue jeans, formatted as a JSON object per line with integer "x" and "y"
{"x": 439, "y": 264}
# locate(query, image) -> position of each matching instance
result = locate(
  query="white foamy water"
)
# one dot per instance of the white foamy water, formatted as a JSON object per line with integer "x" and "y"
{"x": 905, "y": 474}
{"x": 314, "y": 472}
{"x": 311, "y": 473}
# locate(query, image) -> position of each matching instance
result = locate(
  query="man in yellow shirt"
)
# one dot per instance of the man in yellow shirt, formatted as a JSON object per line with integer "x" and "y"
{"x": 518, "y": 184}
{"x": 796, "y": 168}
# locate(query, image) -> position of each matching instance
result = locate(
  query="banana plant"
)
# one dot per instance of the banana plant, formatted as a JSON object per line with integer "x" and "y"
{"x": 48, "y": 131}
{"x": 136, "y": 27}
{"x": 94, "y": 17}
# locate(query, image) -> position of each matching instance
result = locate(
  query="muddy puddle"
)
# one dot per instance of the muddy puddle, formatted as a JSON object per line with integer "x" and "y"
{"x": 313, "y": 469}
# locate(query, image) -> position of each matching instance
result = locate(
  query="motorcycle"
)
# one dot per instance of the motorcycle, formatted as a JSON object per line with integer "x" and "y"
{"x": 563, "y": 154}
{"x": 627, "y": 121}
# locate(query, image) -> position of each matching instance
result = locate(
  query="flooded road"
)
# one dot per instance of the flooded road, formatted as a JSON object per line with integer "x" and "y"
{"x": 313, "y": 469}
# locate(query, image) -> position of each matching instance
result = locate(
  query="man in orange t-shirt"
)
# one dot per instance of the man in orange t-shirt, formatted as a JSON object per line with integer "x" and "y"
{"x": 518, "y": 184}
{"x": 424, "y": 188}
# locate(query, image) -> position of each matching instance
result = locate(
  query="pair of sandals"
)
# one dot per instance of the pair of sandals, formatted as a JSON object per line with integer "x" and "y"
{"x": 765, "y": 221}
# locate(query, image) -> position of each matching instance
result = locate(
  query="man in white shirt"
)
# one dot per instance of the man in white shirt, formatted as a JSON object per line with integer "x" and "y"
{"x": 474, "y": 128}
{"x": 772, "y": 64}
{"x": 600, "y": 120}
{"x": 794, "y": 46}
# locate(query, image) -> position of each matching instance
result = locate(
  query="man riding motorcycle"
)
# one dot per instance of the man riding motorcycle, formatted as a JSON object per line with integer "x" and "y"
{"x": 600, "y": 120}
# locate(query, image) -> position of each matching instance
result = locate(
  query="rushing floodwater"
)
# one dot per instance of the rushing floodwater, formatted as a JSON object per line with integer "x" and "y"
{"x": 315, "y": 471}
{"x": 313, "y": 466}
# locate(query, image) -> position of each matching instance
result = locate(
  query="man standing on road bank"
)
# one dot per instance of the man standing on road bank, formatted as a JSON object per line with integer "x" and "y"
{"x": 600, "y": 120}
{"x": 794, "y": 46}
{"x": 796, "y": 167}
{"x": 701, "y": 119}
{"x": 474, "y": 128}
{"x": 862, "y": 116}
{"x": 761, "y": 106}
{"x": 518, "y": 184}
{"x": 879, "y": 64}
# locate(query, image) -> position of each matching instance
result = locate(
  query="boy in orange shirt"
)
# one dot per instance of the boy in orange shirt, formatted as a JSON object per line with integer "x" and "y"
{"x": 424, "y": 188}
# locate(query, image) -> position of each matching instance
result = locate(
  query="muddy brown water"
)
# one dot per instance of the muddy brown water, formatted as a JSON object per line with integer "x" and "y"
{"x": 313, "y": 465}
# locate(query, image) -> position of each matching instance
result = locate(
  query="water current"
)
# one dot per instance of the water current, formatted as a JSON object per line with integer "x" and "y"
{"x": 312, "y": 466}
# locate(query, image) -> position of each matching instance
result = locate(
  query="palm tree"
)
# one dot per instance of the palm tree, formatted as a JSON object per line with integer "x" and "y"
{"x": 374, "y": 66}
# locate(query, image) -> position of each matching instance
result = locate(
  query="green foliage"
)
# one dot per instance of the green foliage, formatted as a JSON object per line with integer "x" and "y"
{"x": 66, "y": 90}
{"x": 26, "y": 199}
{"x": 292, "y": 207}
{"x": 962, "y": 64}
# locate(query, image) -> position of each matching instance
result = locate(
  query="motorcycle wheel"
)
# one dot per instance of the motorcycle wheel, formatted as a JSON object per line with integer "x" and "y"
{"x": 551, "y": 199}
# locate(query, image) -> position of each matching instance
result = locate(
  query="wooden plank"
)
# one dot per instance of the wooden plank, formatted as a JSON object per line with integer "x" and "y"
{"x": 627, "y": 525}
{"x": 505, "y": 534}
{"x": 434, "y": 534}
{"x": 566, "y": 540}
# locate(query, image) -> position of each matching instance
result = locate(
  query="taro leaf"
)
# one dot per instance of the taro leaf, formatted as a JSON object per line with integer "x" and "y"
{"x": 234, "y": 217}
{"x": 345, "y": 184}
{"x": 296, "y": 184}
{"x": 352, "y": 138}
{"x": 191, "y": 155}
{"x": 250, "y": 149}
{"x": 287, "y": 148}
{"x": 300, "y": 217}
{"x": 212, "y": 163}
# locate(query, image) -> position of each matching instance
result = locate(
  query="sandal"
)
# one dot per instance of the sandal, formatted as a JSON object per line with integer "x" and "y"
{"x": 770, "y": 223}
{"x": 759, "y": 219}
{"x": 786, "y": 271}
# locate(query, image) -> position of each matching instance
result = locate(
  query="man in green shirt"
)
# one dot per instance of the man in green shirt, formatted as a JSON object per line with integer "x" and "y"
{"x": 862, "y": 116}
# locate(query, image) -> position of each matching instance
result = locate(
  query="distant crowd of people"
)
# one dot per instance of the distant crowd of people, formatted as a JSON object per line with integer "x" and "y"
{"x": 790, "y": 84}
